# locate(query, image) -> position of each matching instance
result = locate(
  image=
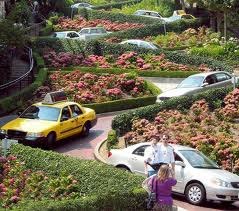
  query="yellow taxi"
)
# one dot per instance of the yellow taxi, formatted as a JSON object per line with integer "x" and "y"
{"x": 49, "y": 121}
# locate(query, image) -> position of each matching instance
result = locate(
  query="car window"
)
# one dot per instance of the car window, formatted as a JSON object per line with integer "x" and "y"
{"x": 101, "y": 30}
{"x": 132, "y": 43}
{"x": 65, "y": 114}
{"x": 93, "y": 31}
{"x": 60, "y": 35}
{"x": 177, "y": 157}
{"x": 76, "y": 111}
{"x": 186, "y": 17}
{"x": 140, "y": 151}
{"x": 72, "y": 35}
{"x": 190, "y": 82}
{"x": 144, "y": 45}
{"x": 84, "y": 31}
{"x": 222, "y": 77}
{"x": 211, "y": 79}
{"x": 155, "y": 14}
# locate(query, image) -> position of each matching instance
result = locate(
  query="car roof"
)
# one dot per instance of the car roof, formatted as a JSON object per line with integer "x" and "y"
{"x": 56, "y": 105}
{"x": 136, "y": 40}
{"x": 208, "y": 73}
{"x": 93, "y": 28}
{"x": 63, "y": 32}
{"x": 175, "y": 146}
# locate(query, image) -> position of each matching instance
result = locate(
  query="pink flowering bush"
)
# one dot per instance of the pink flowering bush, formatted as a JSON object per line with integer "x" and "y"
{"x": 130, "y": 60}
{"x": 90, "y": 88}
{"x": 18, "y": 184}
{"x": 213, "y": 133}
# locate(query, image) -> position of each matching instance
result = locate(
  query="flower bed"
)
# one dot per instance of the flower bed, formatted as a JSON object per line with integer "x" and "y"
{"x": 17, "y": 183}
{"x": 79, "y": 23}
{"x": 89, "y": 88}
{"x": 130, "y": 60}
{"x": 213, "y": 133}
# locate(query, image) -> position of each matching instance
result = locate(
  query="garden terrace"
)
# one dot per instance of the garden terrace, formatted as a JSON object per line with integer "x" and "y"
{"x": 98, "y": 189}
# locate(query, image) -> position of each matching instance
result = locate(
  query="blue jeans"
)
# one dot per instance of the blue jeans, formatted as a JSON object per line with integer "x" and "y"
{"x": 150, "y": 173}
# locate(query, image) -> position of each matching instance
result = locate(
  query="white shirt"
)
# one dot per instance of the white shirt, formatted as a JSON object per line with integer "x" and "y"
{"x": 151, "y": 152}
{"x": 165, "y": 154}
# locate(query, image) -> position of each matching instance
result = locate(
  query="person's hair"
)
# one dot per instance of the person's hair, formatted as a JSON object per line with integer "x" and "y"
{"x": 166, "y": 135}
{"x": 163, "y": 173}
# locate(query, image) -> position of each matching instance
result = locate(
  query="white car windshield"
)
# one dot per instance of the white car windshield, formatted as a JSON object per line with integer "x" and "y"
{"x": 41, "y": 113}
{"x": 198, "y": 159}
{"x": 60, "y": 35}
{"x": 191, "y": 82}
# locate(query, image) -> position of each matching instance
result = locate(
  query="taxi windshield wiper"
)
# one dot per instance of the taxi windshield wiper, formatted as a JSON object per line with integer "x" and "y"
{"x": 27, "y": 117}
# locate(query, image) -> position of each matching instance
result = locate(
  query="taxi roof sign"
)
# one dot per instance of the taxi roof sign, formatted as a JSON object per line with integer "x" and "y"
{"x": 54, "y": 97}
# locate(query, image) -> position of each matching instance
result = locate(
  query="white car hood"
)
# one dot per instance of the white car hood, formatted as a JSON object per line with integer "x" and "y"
{"x": 177, "y": 92}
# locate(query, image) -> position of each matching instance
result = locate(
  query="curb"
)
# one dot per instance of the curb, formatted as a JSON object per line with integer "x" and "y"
{"x": 96, "y": 152}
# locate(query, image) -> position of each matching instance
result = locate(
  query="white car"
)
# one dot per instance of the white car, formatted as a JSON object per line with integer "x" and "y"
{"x": 92, "y": 33}
{"x": 199, "y": 83}
{"x": 198, "y": 177}
{"x": 179, "y": 17}
{"x": 141, "y": 44}
{"x": 150, "y": 14}
{"x": 83, "y": 5}
{"x": 67, "y": 34}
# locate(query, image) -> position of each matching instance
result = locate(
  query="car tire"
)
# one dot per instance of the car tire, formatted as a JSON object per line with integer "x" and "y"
{"x": 86, "y": 129}
{"x": 51, "y": 139}
{"x": 123, "y": 168}
{"x": 195, "y": 193}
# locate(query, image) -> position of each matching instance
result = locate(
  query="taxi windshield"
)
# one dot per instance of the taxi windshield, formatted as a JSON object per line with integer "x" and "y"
{"x": 41, "y": 113}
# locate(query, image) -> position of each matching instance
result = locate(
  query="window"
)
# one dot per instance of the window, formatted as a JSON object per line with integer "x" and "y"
{"x": 222, "y": 77}
{"x": 93, "y": 31}
{"x": 72, "y": 35}
{"x": 65, "y": 115}
{"x": 211, "y": 79}
{"x": 140, "y": 151}
{"x": 132, "y": 43}
{"x": 177, "y": 157}
{"x": 76, "y": 111}
{"x": 144, "y": 45}
{"x": 84, "y": 31}
{"x": 155, "y": 14}
{"x": 187, "y": 17}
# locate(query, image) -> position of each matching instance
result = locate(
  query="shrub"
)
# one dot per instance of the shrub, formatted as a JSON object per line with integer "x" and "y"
{"x": 47, "y": 29}
{"x": 103, "y": 187}
{"x": 122, "y": 123}
{"x": 117, "y": 5}
{"x": 111, "y": 139}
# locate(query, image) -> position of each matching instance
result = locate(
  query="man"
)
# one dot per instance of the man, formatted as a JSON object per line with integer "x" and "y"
{"x": 165, "y": 152}
{"x": 151, "y": 157}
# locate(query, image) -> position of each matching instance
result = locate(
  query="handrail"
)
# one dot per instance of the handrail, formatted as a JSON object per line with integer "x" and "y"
{"x": 7, "y": 85}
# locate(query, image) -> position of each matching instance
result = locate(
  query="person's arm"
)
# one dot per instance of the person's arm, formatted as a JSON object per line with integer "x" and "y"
{"x": 171, "y": 181}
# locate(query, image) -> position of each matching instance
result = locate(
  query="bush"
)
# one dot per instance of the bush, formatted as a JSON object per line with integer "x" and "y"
{"x": 59, "y": 45}
{"x": 11, "y": 103}
{"x": 122, "y": 123}
{"x": 117, "y": 5}
{"x": 47, "y": 29}
{"x": 111, "y": 139}
{"x": 117, "y": 17}
{"x": 102, "y": 187}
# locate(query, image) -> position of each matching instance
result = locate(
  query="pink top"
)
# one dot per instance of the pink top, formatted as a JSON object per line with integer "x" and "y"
{"x": 163, "y": 190}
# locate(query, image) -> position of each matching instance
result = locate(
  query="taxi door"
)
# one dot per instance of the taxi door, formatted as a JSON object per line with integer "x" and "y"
{"x": 66, "y": 123}
{"x": 78, "y": 117}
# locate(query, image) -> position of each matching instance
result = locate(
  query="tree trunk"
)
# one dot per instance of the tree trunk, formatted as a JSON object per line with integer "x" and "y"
{"x": 225, "y": 25}
{"x": 219, "y": 21}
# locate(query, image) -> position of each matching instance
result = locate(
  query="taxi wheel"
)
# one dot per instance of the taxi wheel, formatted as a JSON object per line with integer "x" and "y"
{"x": 195, "y": 193}
{"x": 51, "y": 138}
{"x": 86, "y": 129}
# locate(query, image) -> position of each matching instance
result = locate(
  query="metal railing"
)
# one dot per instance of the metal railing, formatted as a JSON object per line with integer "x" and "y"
{"x": 6, "y": 87}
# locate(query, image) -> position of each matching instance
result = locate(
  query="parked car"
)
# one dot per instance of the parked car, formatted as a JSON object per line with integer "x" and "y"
{"x": 92, "y": 33}
{"x": 83, "y": 5}
{"x": 198, "y": 177}
{"x": 67, "y": 34}
{"x": 150, "y": 14}
{"x": 199, "y": 83}
{"x": 44, "y": 123}
{"x": 141, "y": 44}
{"x": 178, "y": 15}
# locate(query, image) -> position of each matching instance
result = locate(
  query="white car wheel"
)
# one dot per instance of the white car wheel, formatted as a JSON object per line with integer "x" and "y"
{"x": 195, "y": 193}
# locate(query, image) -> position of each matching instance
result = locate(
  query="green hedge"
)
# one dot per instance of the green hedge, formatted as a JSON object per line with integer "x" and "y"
{"x": 59, "y": 45}
{"x": 142, "y": 73}
{"x": 47, "y": 29}
{"x": 104, "y": 48}
{"x": 15, "y": 101}
{"x": 155, "y": 29}
{"x": 117, "y": 5}
{"x": 115, "y": 17}
{"x": 122, "y": 123}
{"x": 103, "y": 187}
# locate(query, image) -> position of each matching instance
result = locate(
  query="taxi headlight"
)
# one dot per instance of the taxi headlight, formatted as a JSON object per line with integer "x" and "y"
{"x": 221, "y": 183}
{"x": 3, "y": 131}
{"x": 34, "y": 135}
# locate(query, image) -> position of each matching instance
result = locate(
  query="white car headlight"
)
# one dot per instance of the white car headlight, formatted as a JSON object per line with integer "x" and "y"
{"x": 34, "y": 135}
{"x": 3, "y": 131}
{"x": 221, "y": 183}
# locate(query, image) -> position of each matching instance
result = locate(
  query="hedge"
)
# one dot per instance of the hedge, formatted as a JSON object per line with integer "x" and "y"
{"x": 117, "y": 5}
{"x": 155, "y": 29}
{"x": 59, "y": 45}
{"x": 115, "y": 17}
{"x": 15, "y": 101}
{"x": 142, "y": 73}
{"x": 122, "y": 123}
{"x": 104, "y": 48}
{"x": 103, "y": 187}
{"x": 47, "y": 29}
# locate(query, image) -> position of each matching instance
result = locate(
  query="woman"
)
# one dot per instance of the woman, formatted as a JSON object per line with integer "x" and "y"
{"x": 162, "y": 185}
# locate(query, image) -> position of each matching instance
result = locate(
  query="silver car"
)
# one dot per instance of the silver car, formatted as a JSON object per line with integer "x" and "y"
{"x": 198, "y": 83}
{"x": 82, "y": 5}
{"x": 150, "y": 14}
{"x": 92, "y": 33}
{"x": 198, "y": 177}
{"x": 140, "y": 44}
